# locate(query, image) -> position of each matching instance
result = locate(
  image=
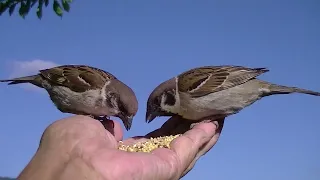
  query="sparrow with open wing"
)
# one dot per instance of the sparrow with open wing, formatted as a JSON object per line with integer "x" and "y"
{"x": 212, "y": 92}
{"x": 85, "y": 90}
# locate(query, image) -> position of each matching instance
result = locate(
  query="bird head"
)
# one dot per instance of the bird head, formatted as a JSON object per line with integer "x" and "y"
{"x": 163, "y": 101}
{"x": 123, "y": 101}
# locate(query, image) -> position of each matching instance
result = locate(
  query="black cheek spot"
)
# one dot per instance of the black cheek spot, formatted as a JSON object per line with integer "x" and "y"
{"x": 169, "y": 99}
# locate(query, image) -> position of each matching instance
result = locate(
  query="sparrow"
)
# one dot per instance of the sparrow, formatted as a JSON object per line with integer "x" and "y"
{"x": 85, "y": 90}
{"x": 212, "y": 92}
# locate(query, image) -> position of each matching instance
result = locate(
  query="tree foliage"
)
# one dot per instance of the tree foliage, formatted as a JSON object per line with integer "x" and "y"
{"x": 6, "y": 178}
{"x": 59, "y": 6}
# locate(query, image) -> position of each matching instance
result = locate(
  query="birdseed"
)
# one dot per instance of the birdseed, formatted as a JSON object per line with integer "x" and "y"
{"x": 149, "y": 145}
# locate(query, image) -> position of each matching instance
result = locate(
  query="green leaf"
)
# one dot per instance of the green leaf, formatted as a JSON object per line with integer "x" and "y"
{"x": 65, "y": 5}
{"x": 28, "y": 6}
{"x": 3, "y": 7}
{"x": 57, "y": 8}
{"x": 22, "y": 9}
{"x": 46, "y": 2}
{"x": 69, "y": 1}
{"x": 39, "y": 9}
{"x": 39, "y": 13}
{"x": 11, "y": 9}
{"x": 34, "y": 2}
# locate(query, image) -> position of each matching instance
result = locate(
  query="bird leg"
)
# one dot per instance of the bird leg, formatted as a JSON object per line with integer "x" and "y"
{"x": 99, "y": 118}
{"x": 207, "y": 120}
{"x": 108, "y": 125}
{"x": 196, "y": 123}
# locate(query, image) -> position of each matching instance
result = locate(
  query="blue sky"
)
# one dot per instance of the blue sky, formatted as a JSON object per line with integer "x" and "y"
{"x": 146, "y": 42}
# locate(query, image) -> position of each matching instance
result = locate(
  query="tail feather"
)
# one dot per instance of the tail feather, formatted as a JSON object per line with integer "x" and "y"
{"x": 26, "y": 79}
{"x": 278, "y": 89}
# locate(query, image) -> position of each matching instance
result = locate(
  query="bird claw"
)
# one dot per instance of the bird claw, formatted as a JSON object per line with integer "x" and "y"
{"x": 99, "y": 118}
{"x": 195, "y": 124}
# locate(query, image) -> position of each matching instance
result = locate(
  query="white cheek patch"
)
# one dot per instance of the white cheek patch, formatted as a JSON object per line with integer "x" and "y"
{"x": 163, "y": 99}
{"x": 177, "y": 92}
{"x": 103, "y": 90}
{"x": 172, "y": 108}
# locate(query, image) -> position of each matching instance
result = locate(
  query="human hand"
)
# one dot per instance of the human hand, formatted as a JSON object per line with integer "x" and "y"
{"x": 80, "y": 148}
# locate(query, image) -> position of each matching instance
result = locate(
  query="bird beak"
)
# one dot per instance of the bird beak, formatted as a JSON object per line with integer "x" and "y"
{"x": 150, "y": 116}
{"x": 127, "y": 121}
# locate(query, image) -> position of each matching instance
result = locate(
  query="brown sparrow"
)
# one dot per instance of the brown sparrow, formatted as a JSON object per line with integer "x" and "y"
{"x": 85, "y": 90}
{"x": 212, "y": 92}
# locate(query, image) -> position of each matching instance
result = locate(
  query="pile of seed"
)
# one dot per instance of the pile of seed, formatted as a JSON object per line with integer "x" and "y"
{"x": 149, "y": 145}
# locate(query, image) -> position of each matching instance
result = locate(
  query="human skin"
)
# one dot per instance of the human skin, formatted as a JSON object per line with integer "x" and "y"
{"x": 79, "y": 147}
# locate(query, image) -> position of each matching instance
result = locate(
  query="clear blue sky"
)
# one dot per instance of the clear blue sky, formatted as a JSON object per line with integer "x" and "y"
{"x": 144, "y": 43}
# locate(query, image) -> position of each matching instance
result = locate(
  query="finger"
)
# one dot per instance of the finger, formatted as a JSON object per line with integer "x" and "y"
{"x": 207, "y": 147}
{"x": 210, "y": 144}
{"x": 219, "y": 124}
{"x": 189, "y": 144}
{"x": 114, "y": 128}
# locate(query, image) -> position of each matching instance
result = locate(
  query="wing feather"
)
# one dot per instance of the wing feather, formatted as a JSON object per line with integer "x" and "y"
{"x": 209, "y": 79}
{"x": 78, "y": 78}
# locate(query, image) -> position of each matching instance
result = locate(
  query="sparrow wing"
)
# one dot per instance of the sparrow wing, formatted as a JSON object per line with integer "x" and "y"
{"x": 78, "y": 78}
{"x": 205, "y": 80}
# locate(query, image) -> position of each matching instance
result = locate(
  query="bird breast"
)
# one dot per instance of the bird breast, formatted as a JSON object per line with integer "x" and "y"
{"x": 88, "y": 102}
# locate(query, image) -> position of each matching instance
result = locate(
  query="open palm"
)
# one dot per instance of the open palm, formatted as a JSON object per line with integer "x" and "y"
{"x": 91, "y": 152}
